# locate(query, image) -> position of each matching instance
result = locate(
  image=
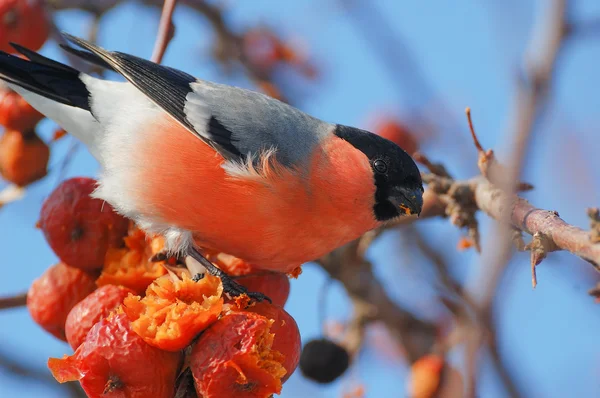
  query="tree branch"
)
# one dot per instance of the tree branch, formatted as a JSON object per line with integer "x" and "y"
{"x": 166, "y": 31}
{"x": 532, "y": 220}
{"x": 347, "y": 265}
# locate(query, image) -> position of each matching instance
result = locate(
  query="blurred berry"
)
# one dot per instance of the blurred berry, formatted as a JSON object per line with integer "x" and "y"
{"x": 323, "y": 360}
{"x": 398, "y": 133}
{"x": 16, "y": 113}
{"x": 23, "y": 22}
{"x": 425, "y": 376}
{"x": 23, "y": 157}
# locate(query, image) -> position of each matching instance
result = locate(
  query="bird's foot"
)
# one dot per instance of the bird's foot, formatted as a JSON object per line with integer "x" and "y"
{"x": 230, "y": 286}
{"x": 166, "y": 256}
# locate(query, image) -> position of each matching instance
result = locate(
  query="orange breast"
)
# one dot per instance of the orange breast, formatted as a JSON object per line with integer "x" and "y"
{"x": 276, "y": 222}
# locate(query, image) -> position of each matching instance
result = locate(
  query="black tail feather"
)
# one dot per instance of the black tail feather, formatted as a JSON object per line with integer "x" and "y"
{"x": 45, "y": 77}
{"x": 88, "y": 56}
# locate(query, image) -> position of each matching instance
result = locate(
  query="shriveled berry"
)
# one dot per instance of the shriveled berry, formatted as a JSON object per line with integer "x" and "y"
{"x": 113, "y": 361}
{"x": 234, "y": 358}
{"x": 287, "y": 335}
{"x": 79, "y": 228}
{"x": 323, "y": 360}
{"x": 52, "y": 296}
{"x": 91, "y": 310}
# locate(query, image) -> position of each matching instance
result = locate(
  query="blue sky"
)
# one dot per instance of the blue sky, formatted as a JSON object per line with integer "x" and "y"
{"x": 468, "y": 51}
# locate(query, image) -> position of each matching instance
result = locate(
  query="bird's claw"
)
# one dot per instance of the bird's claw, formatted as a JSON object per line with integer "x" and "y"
{"x": 234, "y": 289}
{"x": 198, "y": 277}
{"x": 230, "y": 286}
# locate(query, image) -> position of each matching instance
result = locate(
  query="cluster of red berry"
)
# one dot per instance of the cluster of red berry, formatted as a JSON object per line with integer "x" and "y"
{"x": 23, "y": 155}
{"x": 136, "y": 325}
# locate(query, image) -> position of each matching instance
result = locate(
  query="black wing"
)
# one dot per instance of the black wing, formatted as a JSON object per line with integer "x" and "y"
{"x": 166, "y": 87}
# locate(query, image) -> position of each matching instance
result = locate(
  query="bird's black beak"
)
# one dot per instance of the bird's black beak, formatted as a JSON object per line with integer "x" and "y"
{"x": 408, "y": 200}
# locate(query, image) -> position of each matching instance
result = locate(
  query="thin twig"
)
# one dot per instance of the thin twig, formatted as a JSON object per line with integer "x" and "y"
{"x": 166, "y": 30}
{"x": 12, "y": 364}
{"x": 15, "y": 301}
{"x": 532, "y": 94}
{"x": 472, "y": 129}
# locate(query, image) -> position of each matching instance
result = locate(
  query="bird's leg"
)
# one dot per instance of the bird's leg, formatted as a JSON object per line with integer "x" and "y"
{"x": 230, "y": 286}
{"x": 165, "y": 256}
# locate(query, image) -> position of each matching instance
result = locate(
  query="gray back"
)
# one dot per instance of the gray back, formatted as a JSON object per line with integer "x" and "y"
{"x": 255, "y": 121}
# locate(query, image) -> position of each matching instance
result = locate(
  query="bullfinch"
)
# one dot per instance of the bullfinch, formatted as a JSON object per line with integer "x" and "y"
{"x": 212, "y": 166}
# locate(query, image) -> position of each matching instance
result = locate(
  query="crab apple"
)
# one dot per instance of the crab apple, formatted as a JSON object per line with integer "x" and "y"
{"x": 131, "y": 266}
{"x": 174, "y": 311}
{"x": 323, "y": 361}
{"x": 80, "y": 229}
{"x": 16, "y": 113}
{"x": 425, "y": 376}
{"x": 287, "y": 335}
{"x": 113, "y": 361}
{"x": 52, "y": 296}
{"x": 23, "y": 157}
{"x": 234, "y": 358}
{"x": 398, "y": 133}
{"x": 262, "y": 48}
{"x": 23, "y": 22}
{"x": 92, "y": 309}
{"x": 274, "y": 285}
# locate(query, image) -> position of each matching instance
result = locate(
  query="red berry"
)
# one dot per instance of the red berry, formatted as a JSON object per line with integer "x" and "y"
{"x": 23, "y": 22}
{"x": 113, "y": 361}
{"x": 91, "y": 310}
{"x": 23, "y": 157}
{"x": 273, "y": 284}
{"x": 287, "y": 335}
{"x": 234, "y": 358}
{"x": 16, "y": 113}
{"x": 79, "y": 228}
{"x": 52, "y": 296}
{"x": 399, "y": 134}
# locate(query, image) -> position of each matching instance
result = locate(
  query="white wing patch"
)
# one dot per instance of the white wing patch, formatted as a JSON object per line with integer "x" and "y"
{"x": 198, "y": 113}
{"x": 256, "y": 167}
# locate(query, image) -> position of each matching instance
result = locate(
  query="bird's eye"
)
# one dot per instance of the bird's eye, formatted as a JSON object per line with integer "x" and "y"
{"x": 380, "y": 166}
